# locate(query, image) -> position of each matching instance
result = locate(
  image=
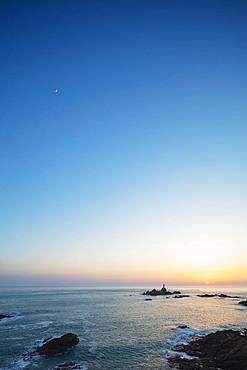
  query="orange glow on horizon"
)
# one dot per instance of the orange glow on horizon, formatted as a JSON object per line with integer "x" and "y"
{"x": 170, "y": 274}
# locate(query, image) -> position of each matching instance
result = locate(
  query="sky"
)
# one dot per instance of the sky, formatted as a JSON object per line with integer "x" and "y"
{"x": 123, "y": 130}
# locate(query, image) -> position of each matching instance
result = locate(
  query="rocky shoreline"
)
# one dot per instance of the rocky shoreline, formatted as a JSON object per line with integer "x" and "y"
{"x": 221, "y": 350}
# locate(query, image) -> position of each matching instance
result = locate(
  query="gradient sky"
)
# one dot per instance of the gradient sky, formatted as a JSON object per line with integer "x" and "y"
{"x": 136, "y": 170}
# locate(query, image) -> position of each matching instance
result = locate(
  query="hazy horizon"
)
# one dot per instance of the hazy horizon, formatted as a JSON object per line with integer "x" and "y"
{"x": 63, "y": 282}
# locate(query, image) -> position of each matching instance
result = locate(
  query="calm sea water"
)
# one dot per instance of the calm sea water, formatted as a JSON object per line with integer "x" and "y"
{"x": 118, "y": 329}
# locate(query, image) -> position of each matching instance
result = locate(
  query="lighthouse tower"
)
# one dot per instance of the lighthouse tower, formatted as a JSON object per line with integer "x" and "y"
{"x": 164, "y": 288}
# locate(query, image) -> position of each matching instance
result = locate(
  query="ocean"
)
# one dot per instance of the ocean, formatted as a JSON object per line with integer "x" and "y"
{"x": 117, "y": 328}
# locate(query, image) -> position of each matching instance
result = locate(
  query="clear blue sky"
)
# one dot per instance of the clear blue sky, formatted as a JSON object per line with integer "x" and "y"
{"x": 141, "y": 156}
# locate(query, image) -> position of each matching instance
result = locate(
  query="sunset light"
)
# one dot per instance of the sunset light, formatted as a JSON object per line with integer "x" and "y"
{"x": 123, "y": 184}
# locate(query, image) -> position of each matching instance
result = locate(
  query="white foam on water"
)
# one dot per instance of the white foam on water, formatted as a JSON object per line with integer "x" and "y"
{"x": 182, "y": 355}
{"x": 27, "y": 359}
{"x": 11, "y": 319}
{"x": 93, "y": 347}
{"x": 30, "y": 358}
{"x": 38, "y": 325}
{"x": 21, "y": 364}
{"x": 16, "y": 338}
{"x": 43, "y": 324}
{"x": 36, "y": 344}
{"x": 186, "y": 335}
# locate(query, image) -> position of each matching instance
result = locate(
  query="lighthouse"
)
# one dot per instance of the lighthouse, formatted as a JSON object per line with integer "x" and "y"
{"x": 164, "y": 288}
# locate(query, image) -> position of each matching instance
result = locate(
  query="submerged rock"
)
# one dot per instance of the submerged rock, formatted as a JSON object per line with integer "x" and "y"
{"x": 225, "y": 350}
{"x": 243, "y": 303}
{"x": 162, "y": 291}
{"x": 68, "y": 366}
{"x": 227, "y": 296}
{"x": 3, "y": 316}
{"x": 148, "y": 299}
{"x": 221, "y": 295}
{"x": 61, "y": 344}
{"x": 182, "y": 296}
{"x": 183, "y": 326}
{"x": 206, "y": 295}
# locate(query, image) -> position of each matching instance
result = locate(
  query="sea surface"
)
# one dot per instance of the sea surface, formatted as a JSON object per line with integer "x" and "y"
{"x": 117, "y": 328}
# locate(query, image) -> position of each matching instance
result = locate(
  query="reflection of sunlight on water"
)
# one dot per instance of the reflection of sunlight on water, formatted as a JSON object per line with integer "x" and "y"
{"x": 227, "y": 289}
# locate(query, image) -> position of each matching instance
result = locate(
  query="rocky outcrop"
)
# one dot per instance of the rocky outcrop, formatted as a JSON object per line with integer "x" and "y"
{"x": 2, "y": 316}
{"x": 148, "y": 299}
{"x": 243, "y": 303}
{"x": 53, "y": 346}
{"x": 226, "y": 350}
{"x": 221, "y": 295}
{"x": 182, "y": 326}
{"x": 162, "y": 291}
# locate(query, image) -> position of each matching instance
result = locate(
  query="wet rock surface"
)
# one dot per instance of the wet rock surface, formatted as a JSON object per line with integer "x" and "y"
{"x": 226, "y": 350}
{"x": 53, "y": 346}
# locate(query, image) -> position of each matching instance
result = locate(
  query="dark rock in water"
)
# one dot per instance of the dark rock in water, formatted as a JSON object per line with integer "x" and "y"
{"x": 68, "y": 366}
{"x": 148, "y": 299}
{"x": 2, "y": 316}
{"x": 182, "y": 326}
{"x": 226, "y": 350}
{"x": 216, "y": 295}
{"x": 162, "y": 291}
{"x": 243, "y": 303}
{"x": 61, "y": 344}
{"x": 181, "y": 296}
{"x": 206, "y": 295}
{"x": 227, "y": 296}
